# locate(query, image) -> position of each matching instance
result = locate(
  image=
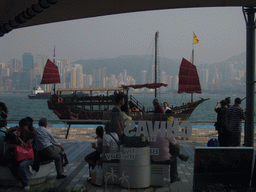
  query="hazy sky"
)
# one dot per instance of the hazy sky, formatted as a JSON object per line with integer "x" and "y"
{"x": 221, "y": 33}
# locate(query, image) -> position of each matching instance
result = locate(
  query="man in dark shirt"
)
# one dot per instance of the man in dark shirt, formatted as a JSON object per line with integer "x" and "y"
{"x": 116, "y": 117}
{"x": 235, "y": 116}
{"x": 221, "y": 124}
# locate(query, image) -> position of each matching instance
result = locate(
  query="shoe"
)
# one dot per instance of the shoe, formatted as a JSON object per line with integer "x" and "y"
{"x": 27, "y": 187}
{"x": 183, "y": 157}
{"x": 61, "y": 176}
{"x": 177, "y": 179}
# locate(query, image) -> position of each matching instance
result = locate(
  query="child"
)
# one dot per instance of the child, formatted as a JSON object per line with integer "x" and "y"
{"x": 93, "y": 157}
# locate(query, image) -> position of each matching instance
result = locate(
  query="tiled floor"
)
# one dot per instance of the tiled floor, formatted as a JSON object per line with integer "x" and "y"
{"x": 77, "y": 170}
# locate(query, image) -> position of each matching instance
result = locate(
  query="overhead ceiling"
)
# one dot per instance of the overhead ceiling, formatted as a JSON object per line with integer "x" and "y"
{"x": 23, "y": 13}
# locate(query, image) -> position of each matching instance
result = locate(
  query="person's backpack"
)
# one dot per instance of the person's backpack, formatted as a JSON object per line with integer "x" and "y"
{"x": 213, "y": 143}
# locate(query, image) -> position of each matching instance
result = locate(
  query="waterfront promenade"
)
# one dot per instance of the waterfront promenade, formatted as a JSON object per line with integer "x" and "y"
{"x": 78, "y": 145}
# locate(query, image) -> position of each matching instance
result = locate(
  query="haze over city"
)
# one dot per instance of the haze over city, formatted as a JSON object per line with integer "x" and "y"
{"x": 221, "y": 33}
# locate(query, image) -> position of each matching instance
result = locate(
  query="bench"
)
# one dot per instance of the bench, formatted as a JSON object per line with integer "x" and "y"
{"x": 158, "y": 172}
{"x": 7, "y": 178}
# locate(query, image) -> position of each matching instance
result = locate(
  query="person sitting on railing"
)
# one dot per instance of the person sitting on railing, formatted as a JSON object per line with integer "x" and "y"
{"x": 49, "y": 147}
{"x": 166, "y": 107}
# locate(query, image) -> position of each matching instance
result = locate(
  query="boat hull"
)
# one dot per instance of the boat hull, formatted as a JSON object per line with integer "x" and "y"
{"x": 77, "y": 109}
{"x": 40, "y": 96}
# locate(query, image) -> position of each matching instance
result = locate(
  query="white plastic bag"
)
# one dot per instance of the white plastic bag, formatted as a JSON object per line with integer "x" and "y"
{"x": 97, "y": 175}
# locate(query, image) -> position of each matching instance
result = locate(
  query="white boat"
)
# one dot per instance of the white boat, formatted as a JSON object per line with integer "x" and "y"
{"x": 38, "y": 93}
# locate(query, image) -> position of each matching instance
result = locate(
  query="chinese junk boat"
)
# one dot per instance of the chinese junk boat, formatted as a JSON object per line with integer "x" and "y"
{"x": 95, "y": 104}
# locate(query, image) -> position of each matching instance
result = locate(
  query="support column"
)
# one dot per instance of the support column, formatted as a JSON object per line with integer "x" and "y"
{"x": 249, "y": 13}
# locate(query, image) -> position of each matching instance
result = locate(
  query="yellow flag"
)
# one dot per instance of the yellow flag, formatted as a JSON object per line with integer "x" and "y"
{"x": 195, "y": 40}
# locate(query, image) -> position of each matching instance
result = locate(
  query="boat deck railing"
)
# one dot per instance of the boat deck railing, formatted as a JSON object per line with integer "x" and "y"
{"x": 137, "y": 103}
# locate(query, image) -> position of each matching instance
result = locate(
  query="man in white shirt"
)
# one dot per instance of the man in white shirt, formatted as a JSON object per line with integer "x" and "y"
{"x": 110, "y": 142}
{"x": 48, "y": 146}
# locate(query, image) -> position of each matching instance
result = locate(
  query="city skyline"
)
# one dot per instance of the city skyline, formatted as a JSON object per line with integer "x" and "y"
{"x": 13, "y": 76}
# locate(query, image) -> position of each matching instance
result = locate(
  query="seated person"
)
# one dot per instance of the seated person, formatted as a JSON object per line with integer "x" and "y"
{"x": 110, "y": 142}
{"x": 25, "y": 138}
{"x": 93, "y": 157}
{"x": 164, "y": 156}
{"x": 3, "y": 130}
{"x": 49, "y": 147}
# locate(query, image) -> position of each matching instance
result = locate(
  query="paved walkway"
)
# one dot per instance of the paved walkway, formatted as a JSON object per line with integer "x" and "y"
{"x": 77, "y": 170}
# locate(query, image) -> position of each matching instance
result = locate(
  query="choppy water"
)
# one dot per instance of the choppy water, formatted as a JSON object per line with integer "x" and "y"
{"x": 21, "y": 106}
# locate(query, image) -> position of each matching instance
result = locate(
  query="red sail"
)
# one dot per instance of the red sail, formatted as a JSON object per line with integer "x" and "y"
{"x": 188, "y": 78}
{"x": 51, "y": 73}
{"x": 149, "y": 86}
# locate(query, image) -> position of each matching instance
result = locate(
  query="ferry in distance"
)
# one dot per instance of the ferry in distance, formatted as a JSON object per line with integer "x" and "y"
{"x": 38, "y": 93}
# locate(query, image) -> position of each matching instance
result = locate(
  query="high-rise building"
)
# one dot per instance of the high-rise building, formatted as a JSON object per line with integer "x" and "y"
{"x": 15, "y": 65}
{"x": 28, "y": 61}
{"x": 77, "y": 76}
{"x": 60, "y": 66}
{"x": 40, "y": 61}
{"x": 103, "y": 77}
{"x": 176, "y": 82}
{"x": 163, "y": 80}
{"x": 28, "y": 66}
{"x": 204, "y": 74}
{"x": 144, "y": 77}
{"x": 125, "y": 75}
{"x": 170, "y": 83}
{"x": 89, "y": 80}
{"x": 20, "y": 81}
{"x": 120, "y": 77}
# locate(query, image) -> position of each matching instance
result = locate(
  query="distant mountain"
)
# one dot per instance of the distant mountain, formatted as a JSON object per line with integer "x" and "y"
{"x": 134, "y": 65}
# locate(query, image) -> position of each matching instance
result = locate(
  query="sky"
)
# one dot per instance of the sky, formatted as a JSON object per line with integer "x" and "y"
{"x": 221, "y": 33}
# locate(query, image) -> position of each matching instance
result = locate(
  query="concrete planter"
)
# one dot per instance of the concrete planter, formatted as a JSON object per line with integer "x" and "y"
{"x": 137, "y": 170}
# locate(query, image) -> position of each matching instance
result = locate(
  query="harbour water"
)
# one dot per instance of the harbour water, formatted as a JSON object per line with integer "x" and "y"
{"x": 20, "y": 106}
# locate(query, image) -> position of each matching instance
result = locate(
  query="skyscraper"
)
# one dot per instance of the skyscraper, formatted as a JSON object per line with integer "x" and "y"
{"x": 28, "y": 61}
{"x": 77, "y": 76}
{"x": 28, "y": 66}
{"x": 144, "y": 77}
